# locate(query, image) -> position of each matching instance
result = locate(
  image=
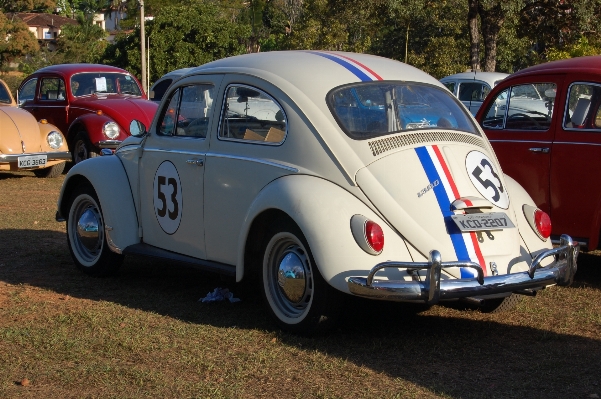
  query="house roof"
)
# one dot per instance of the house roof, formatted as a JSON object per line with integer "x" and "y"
{"x": 43, "y": 19}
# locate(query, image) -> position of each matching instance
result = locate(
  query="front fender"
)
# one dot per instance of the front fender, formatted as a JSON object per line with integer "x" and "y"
{"x": 108, "y": 178}
{"x": 323, "y": 212}
{"x": 92, "y": 124}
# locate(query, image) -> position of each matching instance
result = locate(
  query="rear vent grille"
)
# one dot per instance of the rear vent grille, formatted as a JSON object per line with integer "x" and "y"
{"x": 390, "y": 143}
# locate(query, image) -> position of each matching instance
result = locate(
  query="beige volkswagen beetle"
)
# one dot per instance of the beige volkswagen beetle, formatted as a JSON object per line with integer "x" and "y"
{"x": 324, "y": 174}
{"x": 26, "y": 144}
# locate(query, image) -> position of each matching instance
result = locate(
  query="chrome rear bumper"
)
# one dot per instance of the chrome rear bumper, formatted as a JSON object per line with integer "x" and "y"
{"x": 433, "y": 289}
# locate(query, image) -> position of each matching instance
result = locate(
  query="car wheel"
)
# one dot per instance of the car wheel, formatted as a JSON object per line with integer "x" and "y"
{"x": 499, "y": 305}
{"x": 52, "y": 171}
{"x": 82, "y": 148}
{"x": 299, "y": 299}
{"x": 86, "y": 235}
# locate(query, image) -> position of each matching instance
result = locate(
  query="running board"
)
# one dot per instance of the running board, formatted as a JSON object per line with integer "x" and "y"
{"x": 154, "y": 252}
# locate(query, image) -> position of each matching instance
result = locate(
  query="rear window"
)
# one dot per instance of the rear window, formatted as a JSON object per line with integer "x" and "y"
{"x": 368, "y": 110}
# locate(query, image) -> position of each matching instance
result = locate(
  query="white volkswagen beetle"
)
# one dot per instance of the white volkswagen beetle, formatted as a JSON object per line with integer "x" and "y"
{"x": 324, "y": 173}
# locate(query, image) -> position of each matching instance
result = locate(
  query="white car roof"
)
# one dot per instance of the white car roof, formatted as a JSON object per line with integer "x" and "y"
{"x": 488, "y": 77}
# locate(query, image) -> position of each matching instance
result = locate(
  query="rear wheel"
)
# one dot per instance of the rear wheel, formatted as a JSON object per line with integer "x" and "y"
{"x": 299, "y": 299}
{"x": 51, "y": 171}
{"x": 86, "y": 235}
{"x": 499, "y": 305}
{"x": 82, "y": 148}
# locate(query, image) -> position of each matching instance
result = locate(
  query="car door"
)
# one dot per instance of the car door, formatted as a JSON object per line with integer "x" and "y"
{"x": 576, "y": 160}
{"x": 51, "y": 102}
{"x": 520, "y": 122}
{"x": 172, "y": 168}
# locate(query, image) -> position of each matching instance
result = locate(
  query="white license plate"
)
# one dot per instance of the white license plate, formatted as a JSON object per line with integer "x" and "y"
{"x": 32, "y": 161}
{"x": 483, "y": 221}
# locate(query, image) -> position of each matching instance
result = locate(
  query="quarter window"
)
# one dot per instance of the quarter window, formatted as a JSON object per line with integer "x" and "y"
{"x": 52, "y": 89}
{"x": 253, "y": 115}
{"x": 4, "y": 95}
{"x": 522, "y": 107}
{"x": 188, "y": 112}
{"x": 583, "y": 110}
{"x": 27, "y": 92}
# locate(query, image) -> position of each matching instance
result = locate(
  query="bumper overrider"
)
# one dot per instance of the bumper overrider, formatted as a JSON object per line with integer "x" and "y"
{"x": 433, "y": 289}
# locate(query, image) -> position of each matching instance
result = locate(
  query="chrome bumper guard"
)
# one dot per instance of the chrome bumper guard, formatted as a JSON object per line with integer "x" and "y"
{"x": 433, "y": 289}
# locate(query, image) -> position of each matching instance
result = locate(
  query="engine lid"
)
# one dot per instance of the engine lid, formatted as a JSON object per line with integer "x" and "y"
{"x": 419, "y": 189}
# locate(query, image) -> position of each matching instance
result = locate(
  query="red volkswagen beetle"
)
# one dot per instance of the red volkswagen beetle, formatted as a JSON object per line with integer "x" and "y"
{"x": 92, "y": 105}
{"x": 544, "y": 123}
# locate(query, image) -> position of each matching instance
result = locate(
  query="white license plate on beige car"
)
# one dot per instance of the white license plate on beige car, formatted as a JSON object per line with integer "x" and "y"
{"x": 483, "y": 221}
{"x": 32, "y": 161}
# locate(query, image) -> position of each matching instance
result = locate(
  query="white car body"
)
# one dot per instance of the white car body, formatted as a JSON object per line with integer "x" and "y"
{"x": 227, "y": 194}
{"x": 472, "y": 87}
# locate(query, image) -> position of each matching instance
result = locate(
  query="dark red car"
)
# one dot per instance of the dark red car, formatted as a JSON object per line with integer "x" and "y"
{"x": 544, "y": 123}
{"x": 92, "y": 105}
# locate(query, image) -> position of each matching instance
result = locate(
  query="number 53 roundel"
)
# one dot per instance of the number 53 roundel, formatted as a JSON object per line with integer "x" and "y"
{"x": 486, "y": 179}
{"x": 167, "y": 197}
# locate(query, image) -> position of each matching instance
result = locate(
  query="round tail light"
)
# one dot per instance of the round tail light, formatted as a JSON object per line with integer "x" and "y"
{"x": 375, "y": 236}
{"x": 542, "y": 221}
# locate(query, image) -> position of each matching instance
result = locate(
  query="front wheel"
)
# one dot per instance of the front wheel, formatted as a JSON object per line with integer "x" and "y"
{"x": 82, "y": 148}
{"x": 86, "y": 235}
{"x": 51, "y": 171}
{"x": 299, "y": 299}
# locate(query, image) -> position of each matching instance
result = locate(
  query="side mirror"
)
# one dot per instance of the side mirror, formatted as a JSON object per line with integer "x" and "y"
{"x": 137, "y": 128}
{"x": 551, "y": 93}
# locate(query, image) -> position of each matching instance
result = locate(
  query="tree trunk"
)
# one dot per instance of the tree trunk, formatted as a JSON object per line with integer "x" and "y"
{"x": 472, "y": 20}
{"x": 492, "y": 21}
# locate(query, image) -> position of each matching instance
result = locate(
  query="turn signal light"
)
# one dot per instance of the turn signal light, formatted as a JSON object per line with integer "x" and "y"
{"x": 374, "y": 236}
{"x": 542, "y": 221}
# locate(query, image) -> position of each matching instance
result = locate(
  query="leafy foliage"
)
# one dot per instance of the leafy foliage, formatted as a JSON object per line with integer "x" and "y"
{"x": 18, "y": 40}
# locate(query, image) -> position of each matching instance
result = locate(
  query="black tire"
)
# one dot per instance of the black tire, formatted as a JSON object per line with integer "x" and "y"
{"x": 82, "y": 148}
{"x": 51, "y": 171}
{"x": 499, "y": 305}
{"x": 302, "y": 303}
{"x": 88, "y": 247}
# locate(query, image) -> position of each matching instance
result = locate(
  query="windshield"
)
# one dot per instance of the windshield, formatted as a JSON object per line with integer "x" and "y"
{"x": 84, "y": 84}
{"x": 368, "y": 110}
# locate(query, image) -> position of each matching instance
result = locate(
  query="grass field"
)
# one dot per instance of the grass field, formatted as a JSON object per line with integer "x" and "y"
{"x": 144, "y": 333}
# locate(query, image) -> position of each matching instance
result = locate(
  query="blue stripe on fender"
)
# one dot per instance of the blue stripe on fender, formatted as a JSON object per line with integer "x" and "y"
{"x": 356, "y": 71}
{"x": 443, "y": 203}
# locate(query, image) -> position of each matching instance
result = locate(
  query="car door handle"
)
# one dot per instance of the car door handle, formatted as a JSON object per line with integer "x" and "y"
{"x": 195, "y": 161}
{"x": 544, "y": 150}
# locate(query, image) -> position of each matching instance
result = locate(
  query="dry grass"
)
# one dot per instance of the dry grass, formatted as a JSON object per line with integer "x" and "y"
{"x": 143, "y": 333}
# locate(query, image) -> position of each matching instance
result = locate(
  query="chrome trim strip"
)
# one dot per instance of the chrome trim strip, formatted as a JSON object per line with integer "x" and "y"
{"x": 560, "y": 272}
{"x": 51, "y": 156}
{"x": 174, "y": 151}
{"x": 568, "y": 142}
{"x": 261, "y": 161}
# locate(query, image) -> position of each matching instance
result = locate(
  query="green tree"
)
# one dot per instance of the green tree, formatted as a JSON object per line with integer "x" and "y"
{"x": 27, "y": 5}
{"x": 17, "y": 39}
{"x": 83, "y": 42}
{"x": 181, "y": 37}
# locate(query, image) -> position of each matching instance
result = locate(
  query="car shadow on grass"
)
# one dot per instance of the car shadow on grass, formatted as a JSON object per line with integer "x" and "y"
{"x": 454, "y": 354}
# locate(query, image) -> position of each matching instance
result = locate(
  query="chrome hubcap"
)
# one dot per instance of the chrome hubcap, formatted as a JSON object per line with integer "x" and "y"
{"x": 292, "y": 277}
{"x": 81, "y": 151}
{"x": 87, "y": 230}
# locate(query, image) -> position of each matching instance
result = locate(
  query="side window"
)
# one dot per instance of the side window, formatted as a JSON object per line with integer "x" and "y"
{"x": 27, "y": 92}
{"x": 495, "y": 116}
{"x": 450, "y": 86}
{"x": 4, "y": 95}
{"x": 158, "y": 91}
{"x": 188, "y": 112}
{"x": 251, "y": 114}
{"x": 52, "y": 89}
{"x": 531, "y": 106}
{"x": 472, "y": 91}
{"x": 583, "y": 110}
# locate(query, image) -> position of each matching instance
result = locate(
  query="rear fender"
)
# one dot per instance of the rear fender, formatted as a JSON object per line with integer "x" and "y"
{"x": 323, "y": 211}
{"x": 108, "y": 178}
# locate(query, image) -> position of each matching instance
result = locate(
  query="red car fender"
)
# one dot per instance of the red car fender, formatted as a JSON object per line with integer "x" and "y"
{"x": 92, "y": 124}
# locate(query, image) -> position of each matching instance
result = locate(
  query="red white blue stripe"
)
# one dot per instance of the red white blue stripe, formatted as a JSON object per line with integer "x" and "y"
{"x": 364, "y": 73}
{"x": 465, "y": 244}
